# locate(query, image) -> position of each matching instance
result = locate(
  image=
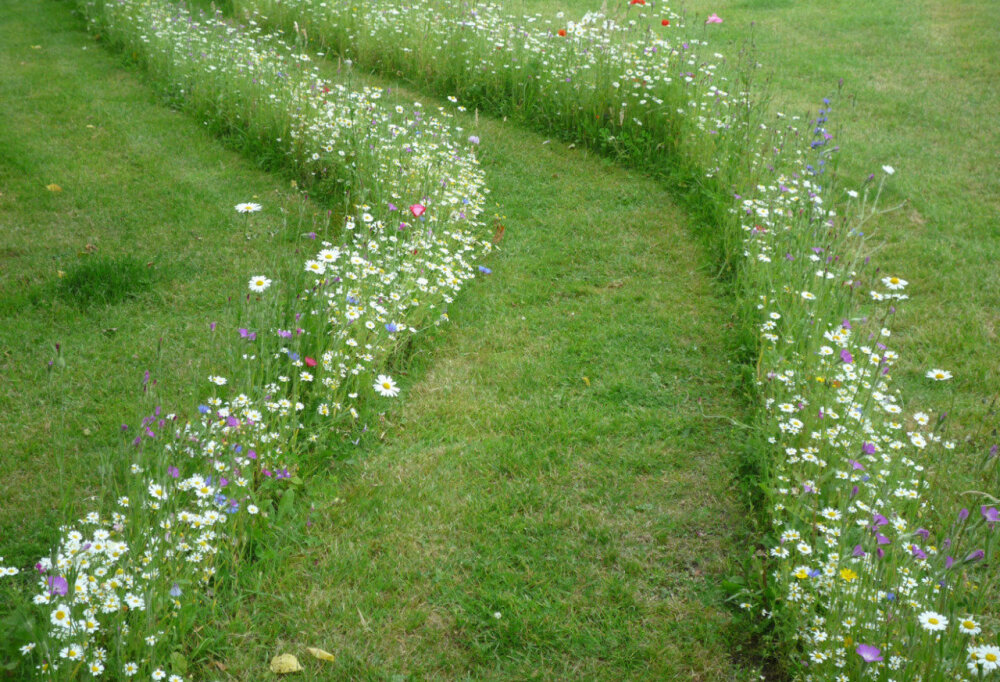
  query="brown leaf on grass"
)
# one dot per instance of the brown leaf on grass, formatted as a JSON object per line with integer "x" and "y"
{"x": 321, "y": 655}
{"x": 282, "y": 664}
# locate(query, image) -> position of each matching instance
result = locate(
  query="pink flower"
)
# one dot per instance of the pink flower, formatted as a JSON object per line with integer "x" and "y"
{"x": 869, "y": 653}
{"x": 417, "y": 210}
{"x": 713, "y": 18}
{"x": 310, "y": 362}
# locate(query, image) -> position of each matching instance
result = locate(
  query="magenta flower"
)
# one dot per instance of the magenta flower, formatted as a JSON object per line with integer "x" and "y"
{"x": 417, "y": 210}
{"x": 990, "y": 513}
{"x": 868, "y": 652}
{"x": 713, "y": 18}
{"x": 845, "y": 355}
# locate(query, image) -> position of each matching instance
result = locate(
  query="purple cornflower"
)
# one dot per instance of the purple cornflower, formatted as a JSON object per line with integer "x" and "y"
{"x": 990, "y": 513}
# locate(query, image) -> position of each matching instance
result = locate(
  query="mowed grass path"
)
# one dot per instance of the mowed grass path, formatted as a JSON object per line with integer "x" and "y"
{"x": 141, "y": 186}
{"x": 551, "y": 503}
{"x": 549, "y": 463}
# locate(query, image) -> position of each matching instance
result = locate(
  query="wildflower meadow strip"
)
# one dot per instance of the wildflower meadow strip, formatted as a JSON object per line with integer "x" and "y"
{"x": 857, "y": 570}
{"x": 858, "y": 575}
{"x": 121, "y": 592}
{"x": 626, "y": 81}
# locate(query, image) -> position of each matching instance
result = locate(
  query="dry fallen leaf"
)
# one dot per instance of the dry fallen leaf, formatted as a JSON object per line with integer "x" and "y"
{"x": 53, "y": 187}
{"x": 285, "y": 663}
{"x": 321, "y": 655}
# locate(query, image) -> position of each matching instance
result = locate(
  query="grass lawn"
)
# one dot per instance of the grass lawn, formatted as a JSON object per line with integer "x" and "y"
{"x": 125, "y": 267}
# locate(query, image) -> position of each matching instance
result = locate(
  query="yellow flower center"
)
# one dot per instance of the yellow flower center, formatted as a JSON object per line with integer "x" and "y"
{"x": 991, "y": 657}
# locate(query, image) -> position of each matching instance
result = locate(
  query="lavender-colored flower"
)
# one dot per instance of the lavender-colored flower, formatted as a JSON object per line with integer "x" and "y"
{"x": 975, "y": 556}
{"x": 175, "y": 591}
{"x": 868, "y": 652}
{"x": 392, "y": 327}
{"x": 485, "y": 270}
{"x": 990, "y": 513}
{"x": 173, "y": 471}
{"x": 845, "y": 355}
{"x": 868, "y": 448}
{"x": 858, "y": 551}
{"x": 204, "y": 409}
{"x": 57, "y": 585}
{"x": 473, "y": 139}
{"x": 963, "y": 514}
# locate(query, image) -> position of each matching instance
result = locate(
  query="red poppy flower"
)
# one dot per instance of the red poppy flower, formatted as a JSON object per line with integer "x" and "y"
{"x": 666, "y": 22}
{"x": 417, "y": 210}
{"x": 638, "y": 2}
{"x": 562, "y": 32}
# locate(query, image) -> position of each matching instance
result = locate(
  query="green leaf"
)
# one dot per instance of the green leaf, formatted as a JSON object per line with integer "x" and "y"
{"x": 286, "y": 504}
{"x": 178, "y": 664}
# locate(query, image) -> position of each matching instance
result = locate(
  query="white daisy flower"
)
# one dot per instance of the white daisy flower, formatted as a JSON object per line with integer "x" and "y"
{"x": 385, "y": 386}
{"x": 259, "y": 283}
{"x": 933, "y": 622}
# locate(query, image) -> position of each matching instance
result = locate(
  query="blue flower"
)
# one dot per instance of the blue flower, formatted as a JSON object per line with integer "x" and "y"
{"x": 204, "y": 409}
{"x": 485, "y": 270}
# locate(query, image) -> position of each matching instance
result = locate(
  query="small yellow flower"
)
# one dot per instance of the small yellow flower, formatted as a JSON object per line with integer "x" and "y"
{"x": 848, "y": 575}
